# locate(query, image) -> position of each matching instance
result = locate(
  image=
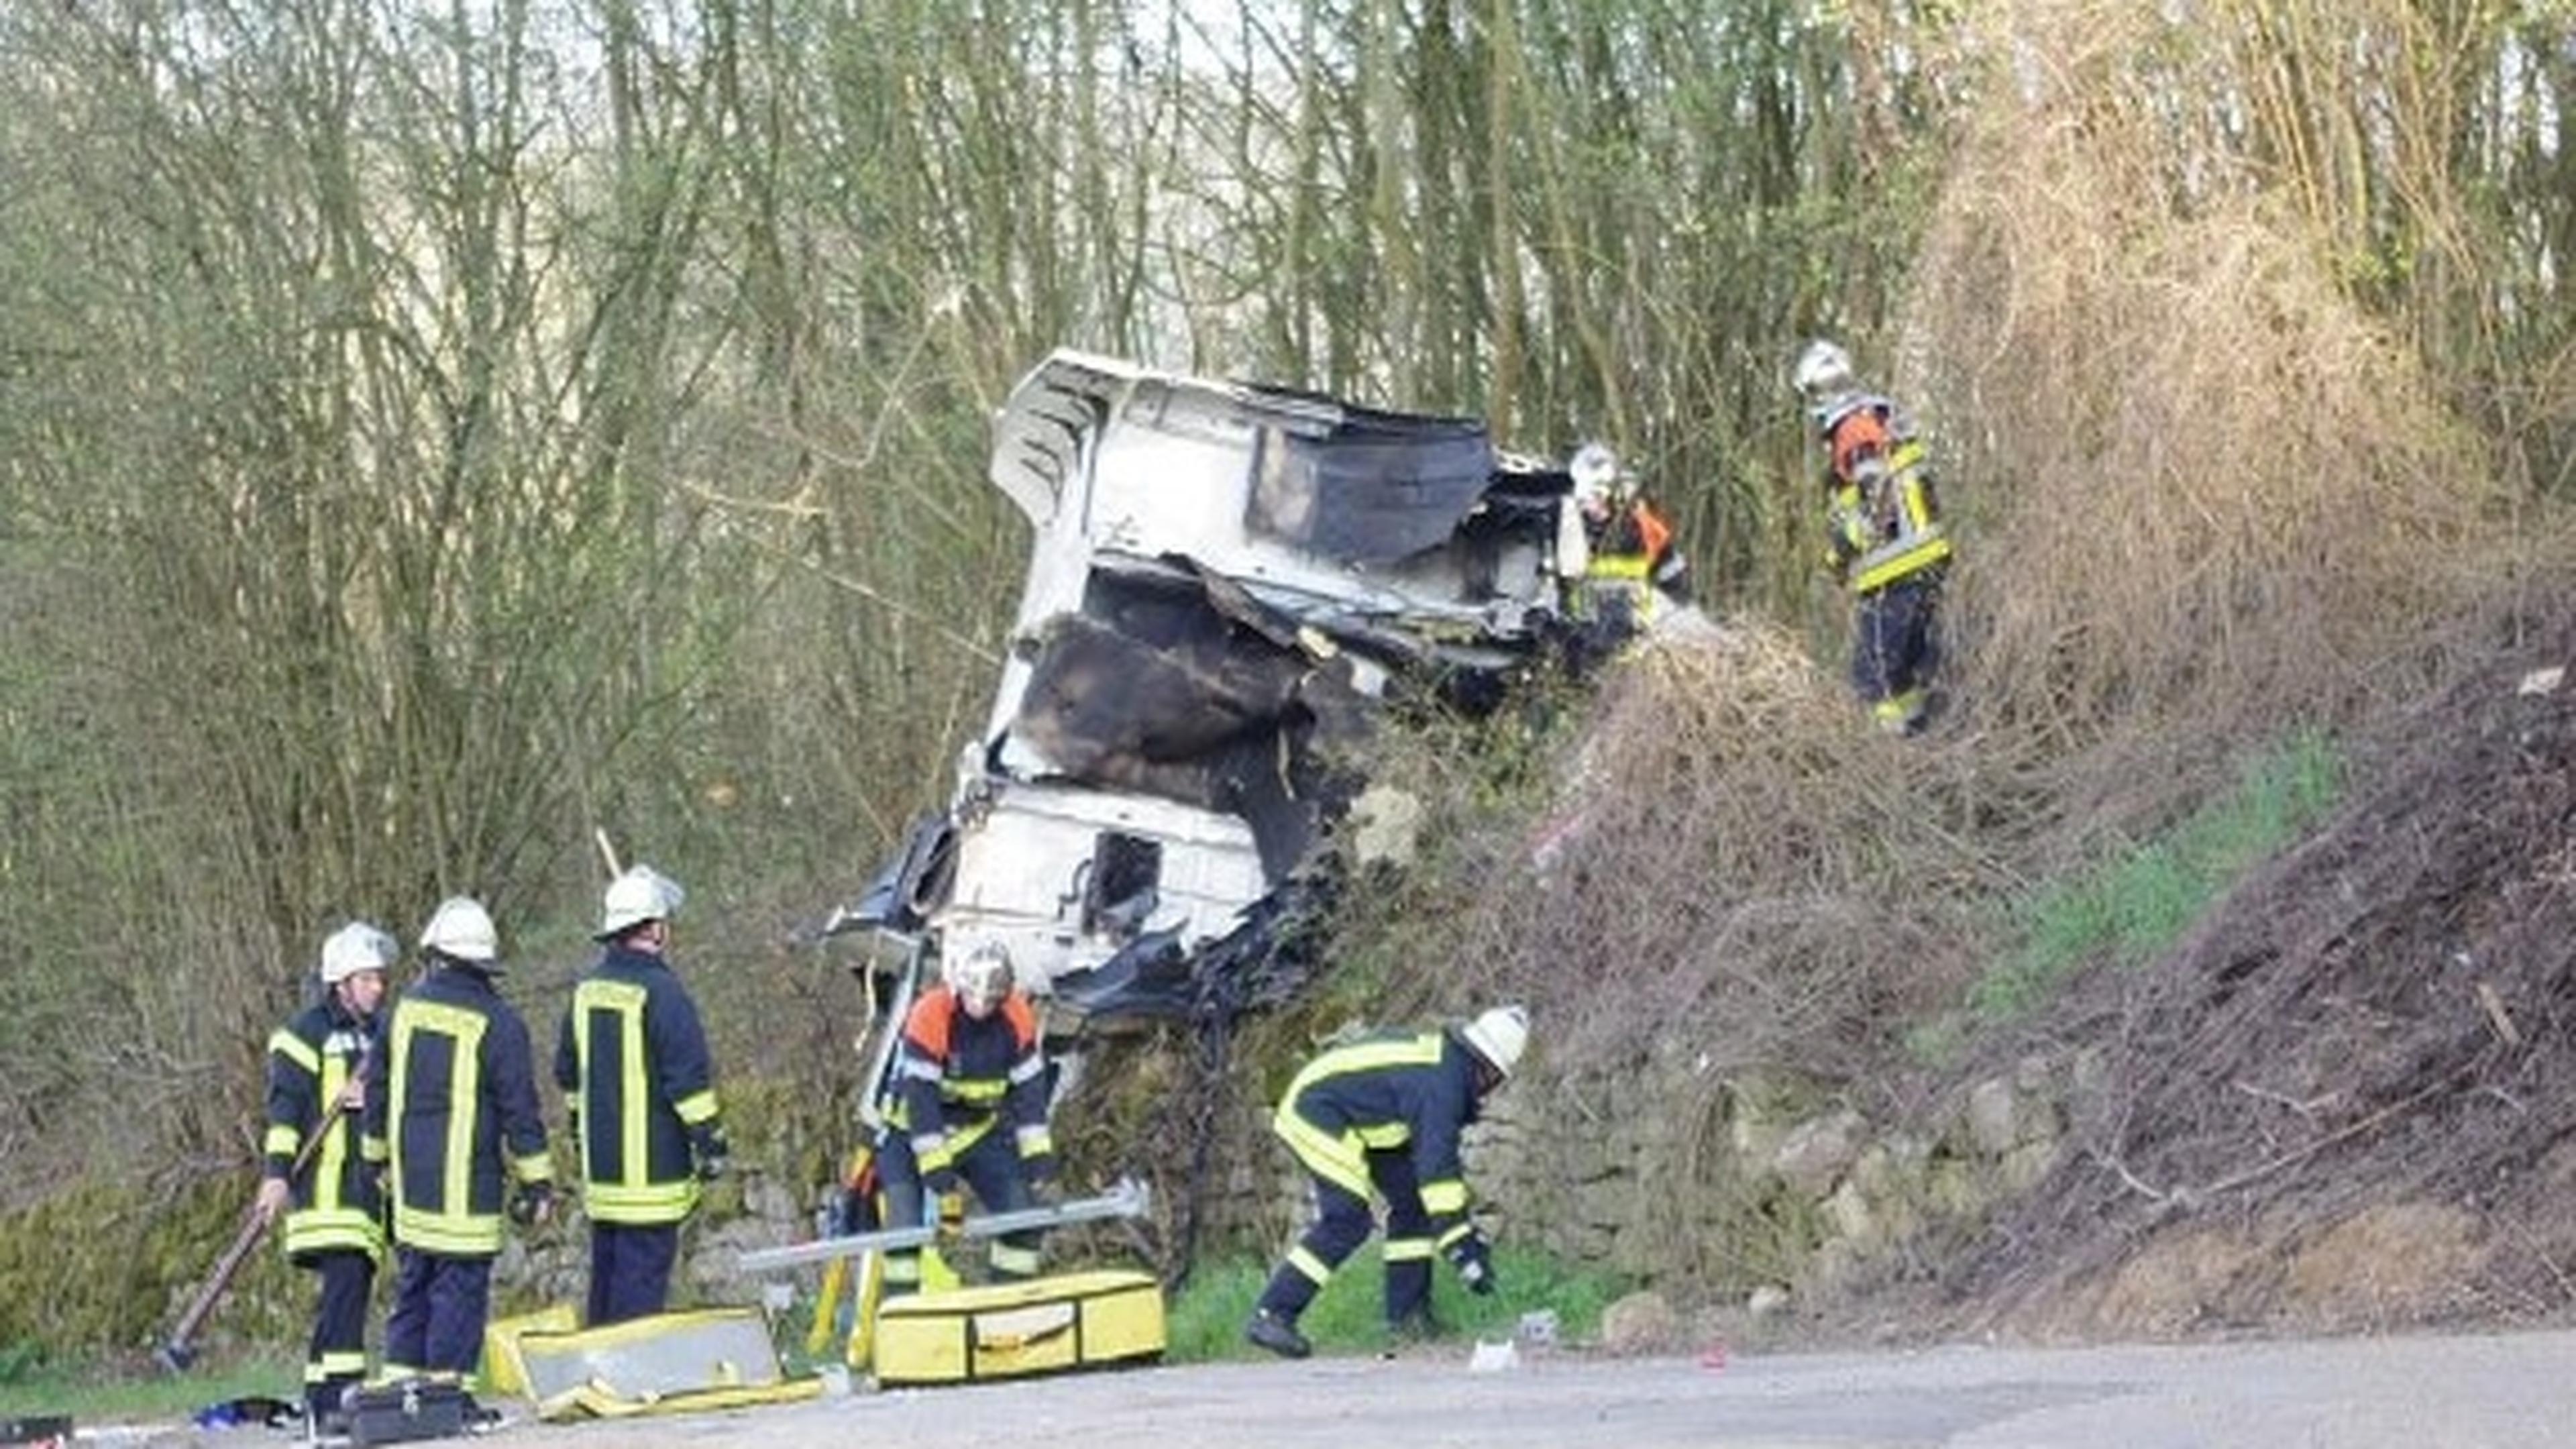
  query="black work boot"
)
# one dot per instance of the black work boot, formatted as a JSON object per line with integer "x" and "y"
{"x": 1279, "y": 1335}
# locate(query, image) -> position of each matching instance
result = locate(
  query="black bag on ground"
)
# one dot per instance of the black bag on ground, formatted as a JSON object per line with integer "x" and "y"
{"x": 415, "y": 1409}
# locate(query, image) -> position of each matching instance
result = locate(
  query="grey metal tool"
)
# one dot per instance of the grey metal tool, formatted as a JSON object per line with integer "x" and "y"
{"x": 1129, "y": 1199}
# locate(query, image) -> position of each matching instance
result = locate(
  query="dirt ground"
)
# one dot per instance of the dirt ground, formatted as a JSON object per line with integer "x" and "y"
{"x": 2345, "y": 1103}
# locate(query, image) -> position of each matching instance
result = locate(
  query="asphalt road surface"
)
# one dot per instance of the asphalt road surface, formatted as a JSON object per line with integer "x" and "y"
{"x": 2386, "y": 1393}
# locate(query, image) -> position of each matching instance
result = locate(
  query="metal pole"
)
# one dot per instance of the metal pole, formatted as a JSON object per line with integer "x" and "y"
{"x": 1129, "y": 1199}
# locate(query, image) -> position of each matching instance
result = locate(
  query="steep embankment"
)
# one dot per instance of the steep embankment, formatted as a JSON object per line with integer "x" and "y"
{"x": 2346, "y": 1099}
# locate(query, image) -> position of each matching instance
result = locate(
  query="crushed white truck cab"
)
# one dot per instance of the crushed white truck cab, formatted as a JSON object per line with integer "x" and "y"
{"x": 1225, "y": 582}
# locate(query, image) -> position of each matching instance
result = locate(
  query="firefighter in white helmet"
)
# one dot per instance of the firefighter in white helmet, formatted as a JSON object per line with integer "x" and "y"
{"x": 455, "y": 1111}
{"x": 1884, "y": 537}
{"x": 968, "y": 1103}
{"x": 637, "y": 1078}
{"x": 315, "y": 1171}
{"x": 1384, "y": 1114}
{"x": 1631, "y": 571}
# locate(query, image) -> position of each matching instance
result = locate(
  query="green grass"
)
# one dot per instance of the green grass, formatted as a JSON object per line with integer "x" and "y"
{"x": 2135, "y": 905}
{"x": 102, "y": 1394}
{"x": 1205, "y": 1322}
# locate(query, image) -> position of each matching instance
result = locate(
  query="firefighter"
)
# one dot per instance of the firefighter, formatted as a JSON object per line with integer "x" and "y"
{"x": 1386, "y": 1112}
{"x": 969, "y": 1102}
{"x": 454, "y": 1111}
{"x": 318, "y": 1063}
{"x": 1884, "y": 537}
{"x": 1630, "y": 565}
{"x": 632, "y": 1061}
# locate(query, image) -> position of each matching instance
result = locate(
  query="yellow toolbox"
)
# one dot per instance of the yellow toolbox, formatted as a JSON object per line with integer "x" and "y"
{"x": 1013, "y": 1330}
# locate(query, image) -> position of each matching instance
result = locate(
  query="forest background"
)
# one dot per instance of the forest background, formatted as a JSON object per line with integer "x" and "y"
{"x": 434, "y": 434}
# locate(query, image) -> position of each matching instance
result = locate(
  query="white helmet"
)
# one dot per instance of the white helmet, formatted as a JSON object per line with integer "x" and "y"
{"x": 641, "y": 894}
{"x": 1499, "y": 1036}
{"x": 982, "y": 977}
{"x": 460, "y": 928}
{"x": 1595, "y": 470}
{"x": 1823, "y": 370}
{"x": 353, "y": 948}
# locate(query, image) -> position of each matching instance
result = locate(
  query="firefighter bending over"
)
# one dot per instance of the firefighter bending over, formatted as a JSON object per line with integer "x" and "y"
{"x": 1631, "y": 569}
{"x": 1386, "y": 1112}
{"x": 969, "y": 1102}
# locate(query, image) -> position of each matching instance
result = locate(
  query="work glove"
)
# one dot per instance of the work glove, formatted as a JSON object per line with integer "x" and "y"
{"x": 532, "y": 1204}
{"x": 1474, "y": 1262}
{"x": 940, "y": 1181}
{"x": 715, "y": 1154}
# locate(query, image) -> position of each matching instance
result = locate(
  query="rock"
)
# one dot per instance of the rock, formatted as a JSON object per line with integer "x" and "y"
{"x": 1389, "y": 821}
{"x": 1994, "y": 1111}
{"x": 1816, "y": 1152}
{"x": 1767, "y": 1302}
{"x": 2027, "y": 1164}
{"x": 1642, "y": 1322}
{"x": 1852, "y": 1220}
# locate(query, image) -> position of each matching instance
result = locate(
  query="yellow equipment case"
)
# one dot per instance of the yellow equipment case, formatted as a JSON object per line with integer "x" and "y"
{"x": 1013, "y": 1330}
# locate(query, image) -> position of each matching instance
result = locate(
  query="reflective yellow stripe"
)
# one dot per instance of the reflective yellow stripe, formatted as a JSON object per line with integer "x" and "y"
{"x": 372, "y": 1148}
{"x": 281, "y": 1141}
{"x": 1384, "y": 1135}
{"x": 623, "y": 1001}
{"x": 1035, "y": 1141}
{"x": 977, "y": 1092}
{"x": 1881, "y": 567}
{"x": 335, "y": 1366}
{"x": 311, "y": 1231}
{"x": 463, "y": 1235}
{"x": 1008, "y": 1259}
{"x": 1454, "y": 1234}
{"x": 1407, "y": 1250}
{"x": 455, "y": 1230}
{"x": 1338, "y": 1160}
{"x": 295, "y": 1049}
{"x": 696, "y": 1107}
{"x": 1442, "y": 1198}
{"x": 1315, "y": 1269}
{"x": 1421, "y": 1050}
{"x": 331, "y": 1159}
{"x": 651, "y": 1202}
{"x": 1616, "y": 566}
{"x": 534, "y": 1167}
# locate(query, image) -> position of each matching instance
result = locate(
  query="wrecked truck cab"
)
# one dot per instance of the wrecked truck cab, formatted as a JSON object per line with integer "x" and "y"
{"x": 1225, "y": 582}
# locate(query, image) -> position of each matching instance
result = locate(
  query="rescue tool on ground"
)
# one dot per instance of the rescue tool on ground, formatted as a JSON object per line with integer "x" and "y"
{"x": 1128, "y": 1199}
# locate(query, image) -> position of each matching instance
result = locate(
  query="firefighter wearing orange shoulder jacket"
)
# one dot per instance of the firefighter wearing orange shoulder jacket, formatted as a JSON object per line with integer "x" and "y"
{"x": 639, "y": 1082}
{"x": 317, "y": 1068}
{"x": 969, "y": 1104}
{"x": 1885, "y": 538}
{"x": 1630, "y": 564}
{"x": 455, "y": 1111}
{"x": 1386, "y": 1113}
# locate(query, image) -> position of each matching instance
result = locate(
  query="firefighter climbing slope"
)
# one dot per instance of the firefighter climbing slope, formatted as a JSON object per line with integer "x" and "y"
{"x": 970, "y": 1103}
{"x": 1386, "y": 1112}
{"x": 1884, "y": 537}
